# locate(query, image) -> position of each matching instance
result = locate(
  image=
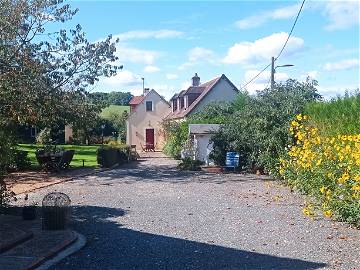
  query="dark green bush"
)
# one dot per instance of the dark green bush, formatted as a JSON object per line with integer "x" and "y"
{"x": 188, "y": 164}
{"x": 108, "y": 156}
{"x": 20, "y": 161}
{"x": 258, "y": 129}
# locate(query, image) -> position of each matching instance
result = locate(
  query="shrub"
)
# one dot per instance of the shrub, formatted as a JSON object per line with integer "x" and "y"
{"x": 108, "y": 156}
{"x": 340, "y": 115}
{"x": 189, "y": 164}
{"x": 20, "y": 161}
{"x": 325, "y": 167}
{"x": 258, "y": 129}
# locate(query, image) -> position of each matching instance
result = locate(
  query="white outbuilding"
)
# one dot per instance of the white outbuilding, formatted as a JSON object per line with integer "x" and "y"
{"x": 199, "y": 137}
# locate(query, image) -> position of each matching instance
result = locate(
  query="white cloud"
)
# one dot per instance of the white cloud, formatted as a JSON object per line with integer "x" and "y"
{"x": 171, "y": 76}
{"x": 198, "y": 55}
{"x": 185, "y": 85}
{"x": 342, "y": 65}
{"x": 123, "y": 78}
{"x": 263, "y": 81}
{"x": 186, "y": 65}
{"x": 313, "y": 74}
{"x": 336, "y": 90}
{"x": 262, "y": 49}
{"x": 144, "y": 34}
{"x": 151, "y": 69}
{"x": 341, "y": 14}
{"x": 165, "y": 90}
{"x": 261, "y": 18}
{"x": 133, "y": 55}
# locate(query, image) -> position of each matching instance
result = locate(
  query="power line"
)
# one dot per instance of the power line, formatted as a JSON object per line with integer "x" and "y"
{"x": 292, "y": 29}
{"x": 282, "y": 49}
{"x": 257, "y": 75}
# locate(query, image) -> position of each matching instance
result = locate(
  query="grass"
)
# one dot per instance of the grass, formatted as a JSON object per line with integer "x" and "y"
{"x": 114, "y": 110}
{"x": 336, "y": 117}
{"x": 82, "y": 152}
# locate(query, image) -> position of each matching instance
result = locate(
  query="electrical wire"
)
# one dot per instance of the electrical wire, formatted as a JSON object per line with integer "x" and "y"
{"x": 282, "y": 49}
{"x": 257, "y": 75}
{"x": 292, "y": 29}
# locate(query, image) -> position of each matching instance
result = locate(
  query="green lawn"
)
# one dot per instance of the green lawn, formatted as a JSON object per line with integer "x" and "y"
{"x": 82, "y": 152}
{"x": 114, "y": 109}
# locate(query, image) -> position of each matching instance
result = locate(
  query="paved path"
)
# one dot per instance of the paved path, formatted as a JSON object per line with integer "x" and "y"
{"x": 150, "y": 216}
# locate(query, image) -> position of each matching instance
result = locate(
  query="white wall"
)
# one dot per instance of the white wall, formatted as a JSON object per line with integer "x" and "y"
{"x": 203, "y": 147}
{"x": 223, "y": 91}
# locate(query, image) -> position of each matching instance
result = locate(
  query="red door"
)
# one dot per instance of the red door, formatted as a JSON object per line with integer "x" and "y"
{"x": 149, "y": 138}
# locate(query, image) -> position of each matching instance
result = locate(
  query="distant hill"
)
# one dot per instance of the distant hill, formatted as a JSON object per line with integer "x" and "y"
{"x": 114, "y": 110}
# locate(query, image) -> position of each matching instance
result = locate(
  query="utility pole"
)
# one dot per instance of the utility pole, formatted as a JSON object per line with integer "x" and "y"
{"x": 273, "y": 68}
{"x": 143, "y": 80}
{"x": 272, "y": 73}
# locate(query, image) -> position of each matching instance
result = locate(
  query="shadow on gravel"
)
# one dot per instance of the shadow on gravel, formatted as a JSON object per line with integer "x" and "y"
{"x": 110, "y": 246}
{"x": 140, "y": 171}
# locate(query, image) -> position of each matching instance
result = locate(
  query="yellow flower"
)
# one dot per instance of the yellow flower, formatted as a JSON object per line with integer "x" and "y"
{"x": 356, "y": 187}
{"x": 322, "y": 189}
{"x": 306, "y": 212}
{"x": 328, "y": 213}
{"x": 328, "y": 194}
{"x": 299, "y": 117}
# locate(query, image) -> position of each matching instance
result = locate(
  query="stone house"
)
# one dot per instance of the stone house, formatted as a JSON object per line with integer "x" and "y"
{"x": 144, "y": 124}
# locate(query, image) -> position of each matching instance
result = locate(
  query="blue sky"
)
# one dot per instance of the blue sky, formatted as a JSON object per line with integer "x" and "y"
{"x": 166, "y": 42}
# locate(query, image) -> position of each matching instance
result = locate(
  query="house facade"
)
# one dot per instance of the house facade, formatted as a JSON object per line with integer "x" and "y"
{"x": 144, "y": 124}
{"x": 197, "y": 96}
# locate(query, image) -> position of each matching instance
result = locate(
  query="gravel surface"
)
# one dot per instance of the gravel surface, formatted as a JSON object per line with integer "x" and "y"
{"x": 148, "y": 215}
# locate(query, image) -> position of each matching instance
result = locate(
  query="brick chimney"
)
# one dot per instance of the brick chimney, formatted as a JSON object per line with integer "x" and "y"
{"x": 195, "y": 80}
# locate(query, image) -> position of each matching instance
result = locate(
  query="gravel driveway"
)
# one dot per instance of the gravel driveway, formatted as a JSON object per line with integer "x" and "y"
{"x": 148, "y": 215}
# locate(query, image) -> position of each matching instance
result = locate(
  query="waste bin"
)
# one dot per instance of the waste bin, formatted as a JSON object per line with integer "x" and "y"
{"x": 55, "y": 211}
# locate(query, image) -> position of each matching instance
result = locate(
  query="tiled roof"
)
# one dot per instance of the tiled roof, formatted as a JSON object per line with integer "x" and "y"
{"x": 136, "y": 100}
{"x": 195, "y": 90}
{"x": 202, "y": 89}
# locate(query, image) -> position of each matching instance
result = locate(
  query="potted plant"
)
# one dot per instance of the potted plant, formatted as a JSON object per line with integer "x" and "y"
{"x": 29, "y": 211}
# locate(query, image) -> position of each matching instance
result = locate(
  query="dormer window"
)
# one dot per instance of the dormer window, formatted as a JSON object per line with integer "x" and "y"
{"x": 149, "y": 106}
{"x": 181, "y": 102}
{"x": 174, "y": 105}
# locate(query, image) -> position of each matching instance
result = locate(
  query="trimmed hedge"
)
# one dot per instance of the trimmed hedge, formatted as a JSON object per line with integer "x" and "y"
{"x": 108, "y": 156}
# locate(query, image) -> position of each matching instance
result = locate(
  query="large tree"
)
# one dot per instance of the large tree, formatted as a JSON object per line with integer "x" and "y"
{"x": 39, "y": 68}
{"x": 44, "y": 74}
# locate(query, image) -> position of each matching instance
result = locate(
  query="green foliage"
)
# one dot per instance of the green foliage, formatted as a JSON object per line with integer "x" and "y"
{"x": 258, "y": 129}
{"x": 116, "y": 116}
{"x": 39, "y": 70}
{"x": 188, "y": 164}
{"x": 340, "y": 115}
{"x": 176, "y": 136}
{"x": 213, "y": 113}
{"x": 112, "y": 98}
{"x": 21, "y": 161}
{"x": 326, "y": 168}
{"x": 6, "y": 159}
{"x": 6, "y": 149}
{"x": 114, "y": 110}
{"x": 110, "y": 155}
